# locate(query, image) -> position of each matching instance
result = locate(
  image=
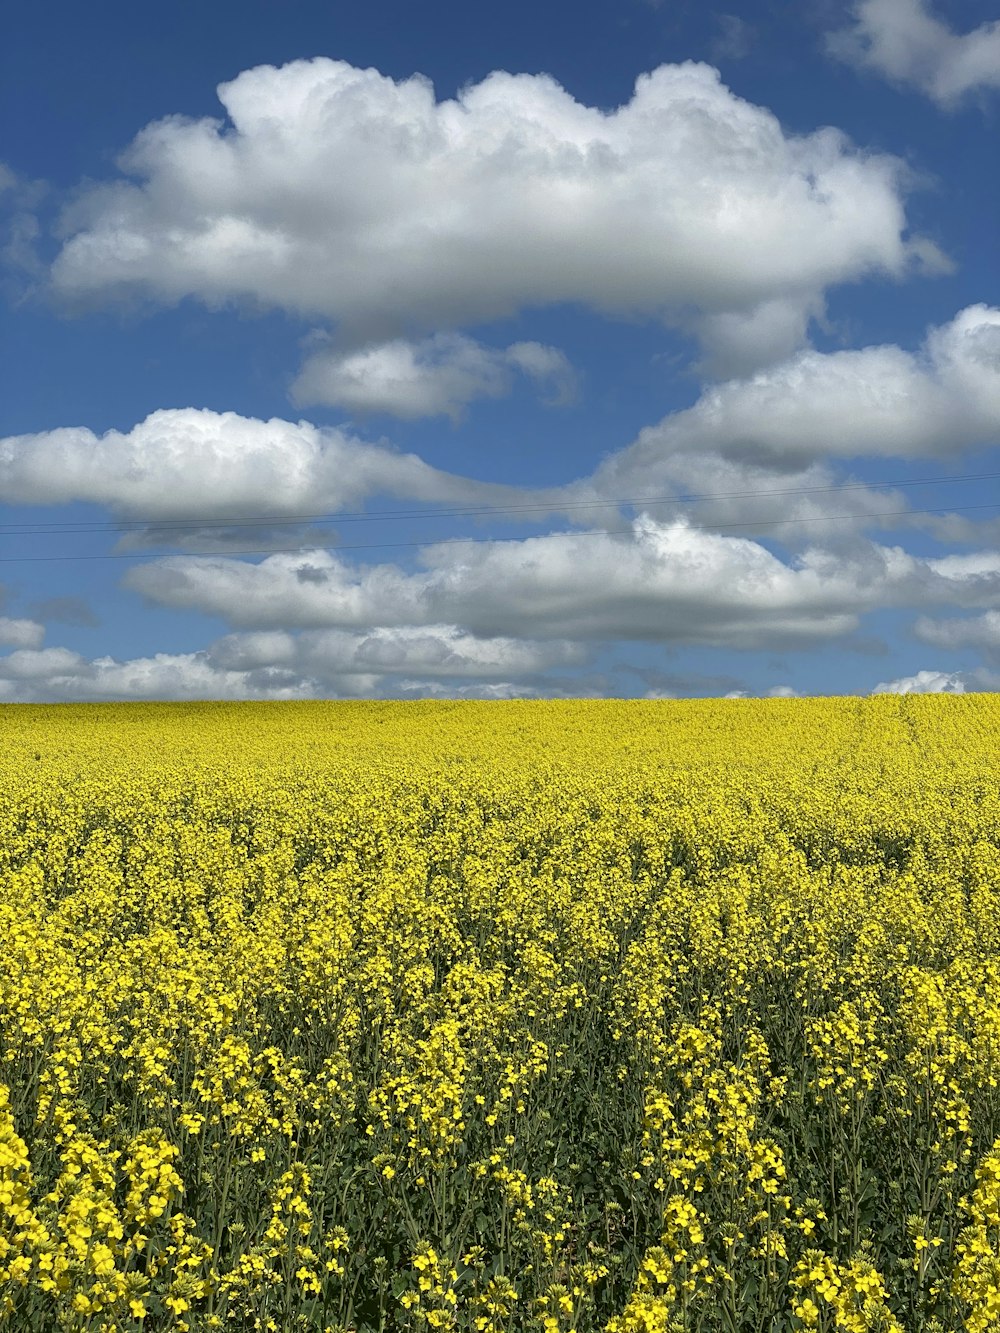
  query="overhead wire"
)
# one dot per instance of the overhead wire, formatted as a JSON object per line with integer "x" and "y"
{"x": 82, "y": 527}
{"x": 479, "y": 541}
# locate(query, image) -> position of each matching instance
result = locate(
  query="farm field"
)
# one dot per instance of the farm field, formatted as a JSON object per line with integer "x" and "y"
{"x": 631, "y": 1016}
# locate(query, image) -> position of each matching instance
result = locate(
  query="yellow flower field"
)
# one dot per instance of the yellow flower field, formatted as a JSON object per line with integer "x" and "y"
{"x": 632, "y": 1016}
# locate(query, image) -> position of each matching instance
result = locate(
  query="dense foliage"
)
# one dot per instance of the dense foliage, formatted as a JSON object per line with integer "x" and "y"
{"x": 626, "y": 1016}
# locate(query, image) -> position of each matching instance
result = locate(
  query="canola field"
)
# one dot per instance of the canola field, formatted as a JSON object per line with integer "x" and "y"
{"x": 626, "y": 1016}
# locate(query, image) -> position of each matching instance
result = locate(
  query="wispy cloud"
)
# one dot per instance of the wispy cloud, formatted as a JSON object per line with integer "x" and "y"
{"x": 904, "y": 41}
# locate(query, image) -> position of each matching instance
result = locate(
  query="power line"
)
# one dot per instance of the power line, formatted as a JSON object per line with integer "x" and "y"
{"x": 70, "y": 526}
{"x": 478, "y": 541}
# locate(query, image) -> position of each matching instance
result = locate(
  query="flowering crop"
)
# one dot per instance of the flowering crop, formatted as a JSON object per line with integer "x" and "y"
{"x": 622, "y": 1016}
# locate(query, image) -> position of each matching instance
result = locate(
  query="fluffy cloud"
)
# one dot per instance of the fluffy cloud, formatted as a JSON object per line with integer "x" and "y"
{"x": 438, "y": 376}
{"x": 188, "y": 462}
{"x": 21, "y": 633}
{"x": 904, "y": 41}
{"x": 336, "y": 192}
{"x": 29, "y": 664}
{"x": 437, "y": 651}
{"x": 980, "y": 632}
{"x": 873, "y": 402}
{"x": 924, "y": 682}
{"x": 188, "y": 467}
{"x": 739, "y": 342}
{"x": 662, "y": 583}
{"x": 401, "y": 662}
{"x": 794, "y": 504}
{"x": 763, "y": 433}
{"x": 56, "y": 674}
{"x": 775, "y": 692}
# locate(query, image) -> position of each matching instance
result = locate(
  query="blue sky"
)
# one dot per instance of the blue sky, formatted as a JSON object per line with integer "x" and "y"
{"x": 396, "y": 350}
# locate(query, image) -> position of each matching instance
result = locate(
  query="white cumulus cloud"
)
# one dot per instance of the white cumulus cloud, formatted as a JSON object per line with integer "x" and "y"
{"x": 873, "y": 402}
{"x": 739, "y": 342}
{"x": 438, "y": 376}
{"x": 336, "y": 192}
{"x": 980, "y": 632}
{"x": 658, "y": 582}
{"x": 903, "y": 40}
{"x": 21, "y": 633}
{"x": 398, "y": 662}
{"x": 190, "y": 462}
{"x": 58, "y": 674}
{"x": 436, "y": 651}
{"x": 770, "y": 431}
{"x": 924, "y": 682}
{"x": 30, "y": 664}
